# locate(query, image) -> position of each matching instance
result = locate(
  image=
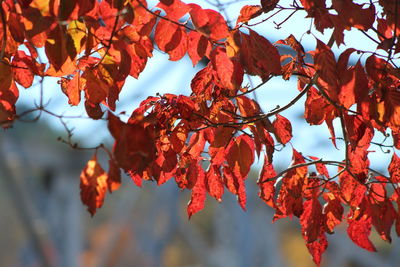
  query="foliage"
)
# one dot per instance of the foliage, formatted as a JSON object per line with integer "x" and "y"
{"x": 208, "y": 141}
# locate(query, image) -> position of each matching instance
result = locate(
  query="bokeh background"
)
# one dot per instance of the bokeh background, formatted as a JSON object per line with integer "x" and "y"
{"x": 43, "y": 222}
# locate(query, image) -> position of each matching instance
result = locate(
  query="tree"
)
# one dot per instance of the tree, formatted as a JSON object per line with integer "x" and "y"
{"x": 208, "y": 140}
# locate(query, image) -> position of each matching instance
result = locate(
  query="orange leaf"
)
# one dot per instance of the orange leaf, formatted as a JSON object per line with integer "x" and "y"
{"x": 249, "y": 12}
{"x": 93, "y": 185}
{"x": 72, "y": 89}
{"x": 96, "y": 89}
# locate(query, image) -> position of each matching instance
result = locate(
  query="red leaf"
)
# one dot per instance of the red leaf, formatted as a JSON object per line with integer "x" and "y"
{"x": 229, "y": 71}
{"x": 72, "y": 89}
{"x": 68, "y": 10}
{"x": 394, "y": 169}
{"x": 290, "y": 201}
{"x": 333, "y": 212}
{"x": 235, "y": 185}
{"x": 134, "y": 147}
{"x": 325, "y": 63}
{"x": 317, "y": 248}
{"x": 353, "y": 15}
{"x": 203, "y": 83}
{"x": 196, "y": 144}
{"x": 242, "y": 197}
{"x": 22, "y": 70}
{"x": 311, "y": 220}
{"x": 198, "y": 47}
{"x": 209, "y": 22}
{"x": 321, "y": 168}
{"x": 359, "y": 231}
{"x": 247, "y": 107}
{"x": 175, "y": 9}
{"x": 248, "y": 12}
{"x": 381, "y": 210}
{"x": 268, "y": 5}
{"x": 240, "y": 155}
{"x": 259, "y": 56}
{"x": 94, "y": 111}
{"x": 283, "y": 129}
{"x": 56, "y": 48}
{"x": 198, "y": 194}
{"x": 96, "y": 89}
{"x": 352, "y": 191}
{"x": 214, "y": 184}
{"x": 171, "y": 38}
{"x": 267, "y": 188}
{"x": 316, "y": 107}
{"x": 113, "y": 176}
{"x": 93, "y": 185}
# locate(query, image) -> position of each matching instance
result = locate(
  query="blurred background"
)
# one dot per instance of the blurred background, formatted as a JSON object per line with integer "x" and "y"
{"x": 43, "y": 222}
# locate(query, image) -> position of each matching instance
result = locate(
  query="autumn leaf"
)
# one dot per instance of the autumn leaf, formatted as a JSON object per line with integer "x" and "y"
{"x": 134, "y": 148}
{"x": 175, "y": 9}
{"x": 206, "y": 141}
{"x": 394, "y": 169}
{"x": 229, "y": 71}
{"x": 22, "y": 69}
{"x": 72, "y": 88}
{"x": 283, "y": 129}
{"x": 113, "y": 176}
{"x": 311, "y": 220}
{"x": 198, "y": 47}
{"x": 209, "y": 22}
{"x": 198, "y": 194}
{"x": 353, "y": 15}
{"x": 333, "y": 212}
{"x": 259, "y": 56}
{"x": 248, "y": 12}
{"x": 267, "y": 188}
{"x": 325, "y": 64}
{"x": 171, "y": 38}
{"x": 214, "y": 183}
{"x": 359, "y": 231}
{"x": 240, "y": 155}
{"x": 93, "y": 185}
{"x": 56, "y": 48}
{"x": 268, "y": 5}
